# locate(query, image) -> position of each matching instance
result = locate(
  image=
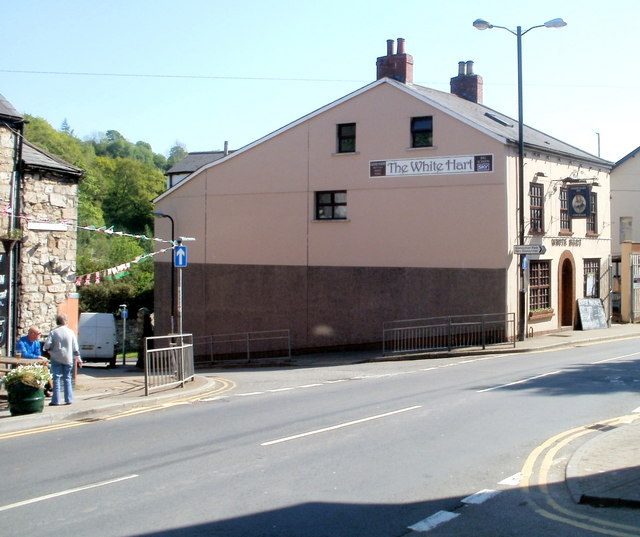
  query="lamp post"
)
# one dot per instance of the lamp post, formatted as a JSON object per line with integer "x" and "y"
{"x": 173, "y": 270}
{"x": 481, "y": 24}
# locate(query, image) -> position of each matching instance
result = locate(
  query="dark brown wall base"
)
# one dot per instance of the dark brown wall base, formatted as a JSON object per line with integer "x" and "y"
{"x": 323, "y": 306}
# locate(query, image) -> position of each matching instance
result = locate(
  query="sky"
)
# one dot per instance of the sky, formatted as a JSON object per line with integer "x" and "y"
{"x": 202, "y": 72}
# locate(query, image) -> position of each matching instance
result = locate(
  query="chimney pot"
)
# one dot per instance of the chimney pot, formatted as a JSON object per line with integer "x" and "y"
{"x": 462, "y": 69}
{"x": 400, "y": 45}
{"x": 390, "y": 43}
{"x": 469, "y": 67}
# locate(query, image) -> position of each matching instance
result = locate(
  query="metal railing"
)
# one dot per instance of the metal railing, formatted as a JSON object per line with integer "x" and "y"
{"x": 446, "y": 333}
{"x": 168, "y": 361}
{"x": 245, "y": 346}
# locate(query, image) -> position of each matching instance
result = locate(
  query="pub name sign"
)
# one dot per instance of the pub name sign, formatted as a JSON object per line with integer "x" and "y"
{"x": 431, "y": 166}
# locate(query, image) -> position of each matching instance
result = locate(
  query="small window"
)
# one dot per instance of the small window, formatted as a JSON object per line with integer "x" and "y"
{"x": 592, "y": 278}
{"x": 565, "y": 221}
{"x": 539, "y": 285}
{"x": 347, "y": 138}
{"x": 592, "y": 219}
{"x": 331, "y": 205}
{"x": 422, "y": 131}
{"x": 536, "y": 208}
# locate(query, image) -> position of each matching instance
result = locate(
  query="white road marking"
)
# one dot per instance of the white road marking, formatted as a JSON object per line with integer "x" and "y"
{"x": 309, "y": 385}
{"x": 247, "y": 394}
{"x": 281, "y": 389}
{"x": 519, "y": 381}
{"x": 434, "y": 520}
{"x": 65, "y": 492}
{"x": 339, "y": 426}
{"x": 480, "y": 497}
{"x": 512, "y": 481}
{"x": 615, "y": 358}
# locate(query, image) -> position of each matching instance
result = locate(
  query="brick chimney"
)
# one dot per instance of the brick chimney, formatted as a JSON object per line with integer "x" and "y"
{"x": 466, "y": 84}
{"x": 398, "y": 66}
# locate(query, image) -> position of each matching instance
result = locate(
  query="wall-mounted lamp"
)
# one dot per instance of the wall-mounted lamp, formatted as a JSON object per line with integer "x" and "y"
{"x": 541, "y": 174}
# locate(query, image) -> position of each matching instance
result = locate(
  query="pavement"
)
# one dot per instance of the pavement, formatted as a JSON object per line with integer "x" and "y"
{"x": 604, "y": 470}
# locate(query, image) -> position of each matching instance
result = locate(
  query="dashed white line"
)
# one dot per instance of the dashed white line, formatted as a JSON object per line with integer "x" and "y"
{"x": 65, "y": 492}
{"x": 339, "y": 426}
{"x": 512, "y": 481}
{"x": 434, "y": 520}
{"x": 480, "y": 497}
{"x": 519, "y": 382}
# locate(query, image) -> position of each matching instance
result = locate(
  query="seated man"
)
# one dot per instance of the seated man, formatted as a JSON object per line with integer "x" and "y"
{"x": 30, "y": 347}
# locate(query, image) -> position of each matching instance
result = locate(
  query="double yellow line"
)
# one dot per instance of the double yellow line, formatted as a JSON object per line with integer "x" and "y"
{"x": 222, "y": 386}
{"x": 539, "y": 464}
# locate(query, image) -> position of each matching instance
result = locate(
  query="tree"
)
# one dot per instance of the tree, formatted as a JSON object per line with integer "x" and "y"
{"x": 130, "y": 188}
{"x": 176, "y": 154}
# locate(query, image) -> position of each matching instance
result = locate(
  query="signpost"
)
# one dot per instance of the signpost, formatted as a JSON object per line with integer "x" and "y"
{"x": 180, "y": 258}
{"x": 529, "y": 249}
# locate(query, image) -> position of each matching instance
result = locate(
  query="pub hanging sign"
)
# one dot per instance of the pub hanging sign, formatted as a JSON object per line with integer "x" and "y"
{"x": 579, "y": 201}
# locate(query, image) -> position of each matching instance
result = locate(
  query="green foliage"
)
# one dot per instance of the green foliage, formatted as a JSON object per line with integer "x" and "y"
{"x": 121, "y": 179}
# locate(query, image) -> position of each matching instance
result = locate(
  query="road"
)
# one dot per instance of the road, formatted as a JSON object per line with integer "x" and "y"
{"x": 360, "y": 450}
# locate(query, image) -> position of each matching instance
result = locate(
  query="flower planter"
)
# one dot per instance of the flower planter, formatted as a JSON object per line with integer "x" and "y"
{"x": 541, "y": 315}
{"x": 24, "y": 399}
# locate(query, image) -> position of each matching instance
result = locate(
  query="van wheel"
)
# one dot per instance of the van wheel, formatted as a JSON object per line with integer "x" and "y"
{"x": 112, "y": 363}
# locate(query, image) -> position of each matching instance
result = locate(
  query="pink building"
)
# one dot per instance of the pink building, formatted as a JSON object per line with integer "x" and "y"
{"x": 394, "y": 202}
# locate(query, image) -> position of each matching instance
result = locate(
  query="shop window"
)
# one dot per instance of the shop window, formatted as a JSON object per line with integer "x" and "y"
{"x": 539, "y": 285}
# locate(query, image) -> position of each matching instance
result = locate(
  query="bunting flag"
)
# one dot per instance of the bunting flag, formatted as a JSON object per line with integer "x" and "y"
{"x": 116, "y": 272}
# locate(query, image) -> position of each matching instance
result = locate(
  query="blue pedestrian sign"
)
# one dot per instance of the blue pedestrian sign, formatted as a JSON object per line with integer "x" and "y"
{"x": 180, "y": 256}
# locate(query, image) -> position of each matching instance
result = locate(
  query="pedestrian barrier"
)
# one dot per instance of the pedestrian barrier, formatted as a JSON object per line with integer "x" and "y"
{"x": 168, "y": 361}
{"x": 244, "y": 346}
{"x": 446, "y": 333}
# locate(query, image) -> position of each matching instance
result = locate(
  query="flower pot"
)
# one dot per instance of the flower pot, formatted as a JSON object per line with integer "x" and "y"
{"x": 24, "y": 399}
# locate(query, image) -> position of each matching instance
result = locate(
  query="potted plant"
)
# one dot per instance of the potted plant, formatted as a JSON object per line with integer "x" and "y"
{"x": 25, "y": 387}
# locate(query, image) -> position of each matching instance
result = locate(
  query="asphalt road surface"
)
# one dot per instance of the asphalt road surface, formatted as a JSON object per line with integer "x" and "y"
{"x": 435, "y": 447}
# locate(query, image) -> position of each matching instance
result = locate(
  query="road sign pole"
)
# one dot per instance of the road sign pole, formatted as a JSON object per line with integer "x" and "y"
{"x": 180, "y": 301}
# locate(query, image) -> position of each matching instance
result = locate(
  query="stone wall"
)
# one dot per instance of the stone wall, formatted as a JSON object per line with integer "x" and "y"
{"x": 47, "y": 254}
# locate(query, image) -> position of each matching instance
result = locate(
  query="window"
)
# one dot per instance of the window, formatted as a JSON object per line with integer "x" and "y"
{"x": 539, "y": 285}
{"x": 565, "y": 221}
{"x": 591, "y": 278}
{"x": 422, "y": 131}
{"x": 536, "y": 208}
{"x": 331, "y": 205}
{"x": 592, "y": 219}
{"x": 346, "y": 138}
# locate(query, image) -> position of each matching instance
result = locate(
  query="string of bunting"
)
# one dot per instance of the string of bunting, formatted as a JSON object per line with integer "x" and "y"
{"x": 115, "y": 272}
{"x": 7, "y": 209}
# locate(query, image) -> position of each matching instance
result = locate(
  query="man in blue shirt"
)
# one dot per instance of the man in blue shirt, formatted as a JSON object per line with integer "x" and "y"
{"x": 29, "y": 345}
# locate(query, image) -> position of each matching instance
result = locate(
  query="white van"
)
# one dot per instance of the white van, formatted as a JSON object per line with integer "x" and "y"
{"x": 97, "y": 338}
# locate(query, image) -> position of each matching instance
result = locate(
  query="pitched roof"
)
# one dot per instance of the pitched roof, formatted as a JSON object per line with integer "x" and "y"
{"x": 500, "y": 125}
{"x": 627, "y": 157}
{"x": 7, "y": 110}
{"x": 34, "y": 157}
{"x": 478, "y": 116}
{"x": 195, "y": 160}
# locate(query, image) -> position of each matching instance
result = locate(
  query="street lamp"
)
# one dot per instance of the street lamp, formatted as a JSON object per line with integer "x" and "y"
{"x": 481, "y": 24}
{"x": 173, "y": 270}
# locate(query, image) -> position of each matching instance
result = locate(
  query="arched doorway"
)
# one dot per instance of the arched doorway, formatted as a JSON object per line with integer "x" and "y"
{"x": 566, "y": 293}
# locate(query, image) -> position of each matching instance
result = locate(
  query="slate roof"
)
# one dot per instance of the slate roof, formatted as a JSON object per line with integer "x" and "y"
{"x": 501, "y": 125}
{"x": 7, "y": 110}
{"x": 34, "y": 157}
{"x": 195, "y": 160}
